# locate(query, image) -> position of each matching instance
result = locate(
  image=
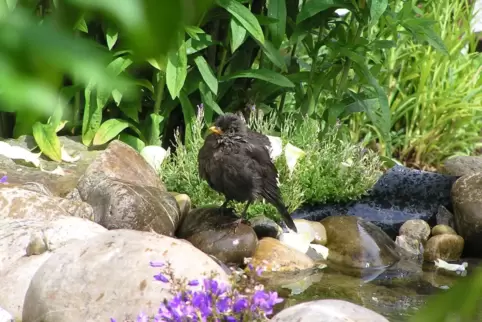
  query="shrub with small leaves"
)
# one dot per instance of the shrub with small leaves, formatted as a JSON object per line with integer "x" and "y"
{"x": 211, "y": 300}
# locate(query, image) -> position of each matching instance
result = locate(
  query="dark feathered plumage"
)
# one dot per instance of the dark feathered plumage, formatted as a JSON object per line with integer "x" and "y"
{"x": 236, "y": 163}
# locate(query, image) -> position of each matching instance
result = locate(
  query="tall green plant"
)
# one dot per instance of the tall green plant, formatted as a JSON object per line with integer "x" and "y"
{"x": 435, "y": 99}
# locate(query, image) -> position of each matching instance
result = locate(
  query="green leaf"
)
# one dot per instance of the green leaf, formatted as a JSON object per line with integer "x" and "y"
{"x": 422, "y": 31}
{"x": 244, "y": 17}
{"x": 207, "y": 73}
{"x": 47, "y": 140}
{"x": 274, "y": 55}
{"x": 188, "y": 112}
{"x": 313, "y": 7}
{"x": 237, "y": 34}
{"x": 208, "y": 100}
{"x": 176, "y": 70}
{"x": 262, "y": 74}
{"x": 92, "y": 116}
{"x": 117, "y": 96}
{"x": 277, "y": 10}
{"x": 109, "y": 130}
{"x": 158, "y": 63}
{"x": 195, "y": 45}
{"x": 131, "y": 110}
{"x": 111, "y": 37}
{"x": 155, "y": 131}
{"x": 377, "y": 8}
{"x": 146, "y": 84}
{"x": 193, "y": 31}
{"x": 133, "y": 141}
{"x": 82, "y": 26}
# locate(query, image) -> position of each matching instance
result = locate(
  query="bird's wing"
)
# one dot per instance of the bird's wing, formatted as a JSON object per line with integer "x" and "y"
{"x": 266, "y": 170}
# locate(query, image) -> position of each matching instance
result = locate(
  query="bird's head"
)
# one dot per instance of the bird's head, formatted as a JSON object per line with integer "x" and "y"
{"x": 229, "y": 124}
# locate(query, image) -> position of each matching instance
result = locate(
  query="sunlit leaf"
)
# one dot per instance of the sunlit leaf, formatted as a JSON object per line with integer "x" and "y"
{"x": 313, "y": 7}
{"x": 377, "y": 8}
{"x": 47, "y": 140}
{"x": 155, "y": 133}
{"x": 176, "y": 70}
{"x": 277, "y": 30}
{"x": 244, "y": 17}
{"x": 208, "y": 100}
{"x": 109, "y": 130}
{"x": 262, "y": 74}
{"x": 237, "y": 34}
{"x": 111, "y": 37}
{"x": 274, "y": 55}
{"x": 133, "y": 141}
{"x": 92, "y": 116}
{"x": 207, "y": 73}
{"x": 188, "y": 112}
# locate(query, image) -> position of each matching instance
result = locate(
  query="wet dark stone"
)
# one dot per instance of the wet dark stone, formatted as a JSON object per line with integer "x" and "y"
{"x": 399, "y": 195}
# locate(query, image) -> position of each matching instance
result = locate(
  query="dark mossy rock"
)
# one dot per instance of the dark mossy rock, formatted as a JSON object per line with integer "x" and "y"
{"x": 399, "y": 195}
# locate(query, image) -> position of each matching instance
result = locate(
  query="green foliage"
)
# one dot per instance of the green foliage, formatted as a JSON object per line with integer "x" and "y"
{"x": 435, "y": 98}
{"x": 143, "y": 61}
{"x": 331, "y": 170}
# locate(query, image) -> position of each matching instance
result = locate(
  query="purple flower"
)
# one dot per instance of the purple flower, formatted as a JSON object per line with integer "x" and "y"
{"x": 259, "y": 270}
{"x": 161, "y": 278}
{"x": 111, "y": 319}
{"x": 3, "y": 179}
{"x": 142, "y": 317}
{"x": 200, "y": 106}
{"x": 240, "y": 305}
{"x": 231, "y": 319}
{"x": 223, "y": 304}
{"x": 265, "y": 301}
{"x": 193, "y": 283}
{"x": 156, "y": 264}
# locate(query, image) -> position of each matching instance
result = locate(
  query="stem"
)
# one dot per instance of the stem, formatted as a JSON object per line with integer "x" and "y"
{"x": 160, "y": 92}
{"x": 223, "y": 62}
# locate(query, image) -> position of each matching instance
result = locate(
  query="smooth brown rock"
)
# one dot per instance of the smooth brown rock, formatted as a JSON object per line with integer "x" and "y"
{"x": 265, "y": 227}
{"x": 415, "y": 228}
{"x": 229, "y": 245}
{"x": 122, "y": 205}
{"x": 215, "y": 233}
{"x": 446, "y": 247}
{"x": 463, "y": 165}
{"x": 413, "y": 247}
{"x": 109, "y": 276}
{"x": 444, "y": 217}
{"x": 275, "y": 256}
{"x": 359, "y": 244}
{"x": 467, "y": 203}
{"x": 443, "y": 229}
{"x": 119, "y": 162}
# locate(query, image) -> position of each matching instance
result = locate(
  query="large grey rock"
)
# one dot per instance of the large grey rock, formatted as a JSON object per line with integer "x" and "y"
{"x": 328, "y": 311}
{"x": 59, "y": 185}
{"x": 462, "y": 165}
{"x": 25, "y": 244}
{"x": 109, "y": 276}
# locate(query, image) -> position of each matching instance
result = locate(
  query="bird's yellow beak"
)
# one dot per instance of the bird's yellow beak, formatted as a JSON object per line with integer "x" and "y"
{"x": 215, "y": 129}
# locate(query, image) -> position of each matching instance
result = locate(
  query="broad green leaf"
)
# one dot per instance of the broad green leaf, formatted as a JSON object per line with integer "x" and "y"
{"x": 109, "y": 130}
{"x": 244, "y": 17}
{"x": 308, "y": 105}
{"x": 262, "y": 74}
{"x": 207, "y": 73}
{"x": 277, "y": 30}
{"x": 155, "y": 132}
{"x": 47, "y": 140}
{"x": 176, "y": 70}
{"x": 92, "y": 116}
{"x": 146, "y": 84}
{"x": 274, "y": 55}
{"x": 422, "y": 31}
{"x": 117, "y": 66}
{"x": 133, "y": 141}
{"x": 237, "y": 34}
{"x": 193, "y": 31}
{"x": 377, "y": 8}
{"x": 195, "y": 45}
{"x": 158, "y": 63}
{"x": 131, "y": 110}
{"x": 111, "y": 37}
{"x": 313, "y": 7}
{"x": 208, "y": 100}
{"x": 66, "y": 94}
{"x": 117, "y": 96}
{"x": 188, "y": 113}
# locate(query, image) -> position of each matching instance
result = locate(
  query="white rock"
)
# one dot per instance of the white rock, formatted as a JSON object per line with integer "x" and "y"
{"x": 5, "y": 316}
{"x": 154, "y": 155}
{"x": 109, "y": 276}
{"x": 300, "y": 242}
{"x": 276, "y": 146}
{"x": 320, "y": 249}
{"x": 328, "y": 311}
{"x": 459, "y": 268}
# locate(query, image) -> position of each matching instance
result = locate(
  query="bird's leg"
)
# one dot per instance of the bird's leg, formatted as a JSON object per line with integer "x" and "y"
{"x": 246, "y": 208}
{"x": 225, "y": 204}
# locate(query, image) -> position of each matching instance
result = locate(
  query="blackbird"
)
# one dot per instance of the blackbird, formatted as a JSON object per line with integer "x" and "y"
{"x": 236, "y": 163}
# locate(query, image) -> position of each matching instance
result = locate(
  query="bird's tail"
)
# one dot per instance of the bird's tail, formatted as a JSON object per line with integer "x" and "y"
{"x": 286, "y": 216}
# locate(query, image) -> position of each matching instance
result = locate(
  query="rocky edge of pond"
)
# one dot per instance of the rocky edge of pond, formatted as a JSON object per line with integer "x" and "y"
{"x": 76, "y": 247}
